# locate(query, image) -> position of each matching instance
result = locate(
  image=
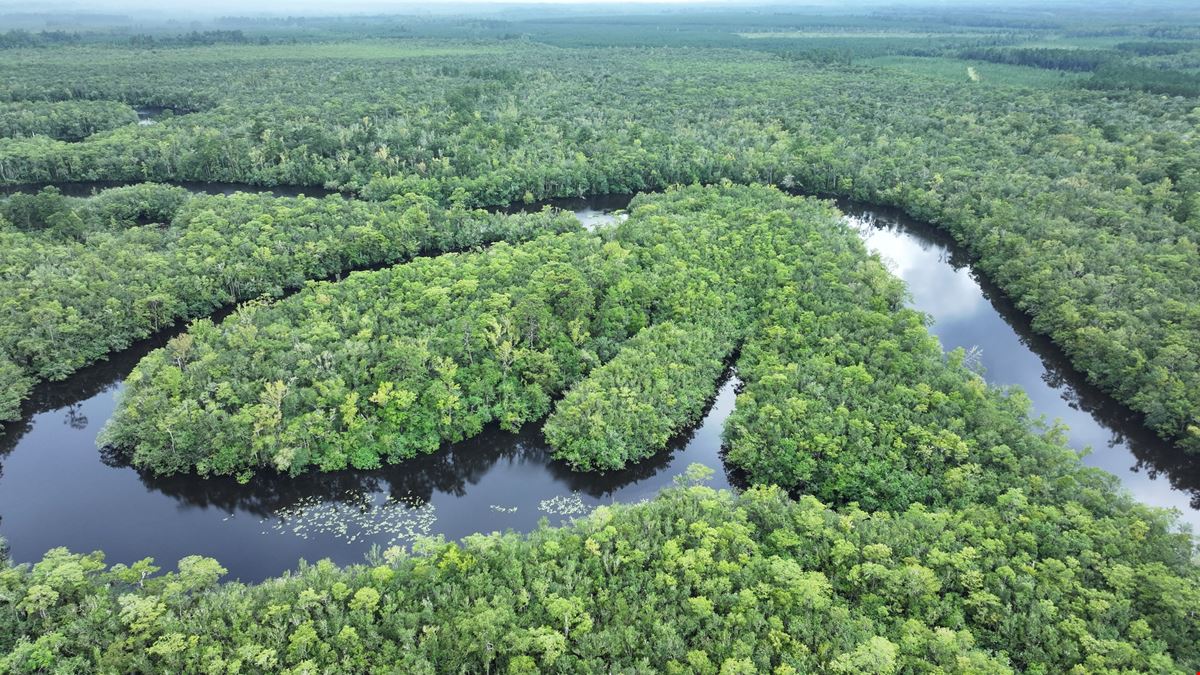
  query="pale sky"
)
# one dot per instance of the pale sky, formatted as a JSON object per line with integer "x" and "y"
{"x": 158, "y": 8}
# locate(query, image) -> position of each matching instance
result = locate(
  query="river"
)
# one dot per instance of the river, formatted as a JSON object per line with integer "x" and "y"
{"x": 57, "y": 489}
{"x": 971, "y": 313}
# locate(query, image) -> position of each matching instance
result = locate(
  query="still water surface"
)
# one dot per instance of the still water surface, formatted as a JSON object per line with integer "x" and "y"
{"x": 57, "y": 489}
{"x": 971, "y": 313}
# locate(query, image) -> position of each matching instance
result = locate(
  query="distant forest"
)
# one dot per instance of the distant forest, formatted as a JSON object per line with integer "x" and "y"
{"x": 895, "y": 513}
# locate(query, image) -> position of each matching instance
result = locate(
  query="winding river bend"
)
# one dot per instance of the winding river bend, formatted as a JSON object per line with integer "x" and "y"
{"x": 57, "y": 489}
{"x": 970, "y": 312}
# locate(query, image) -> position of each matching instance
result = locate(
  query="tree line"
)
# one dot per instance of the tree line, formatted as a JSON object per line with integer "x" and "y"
{"x": 1137, "y": 77}
{"x": 1085, "y": 60}
{"x": 63, "y": 120}
{"x": 924, "y": 523}
{"x": 1081, "y": 205}
{"x": 84, "y": 277}
{"x": 921, "y": 520}
{"x": 695, "y": 581}
{"x": 629, "y": 408}
{"x": 388, "y": 364}
{"x": 376, "y": 368}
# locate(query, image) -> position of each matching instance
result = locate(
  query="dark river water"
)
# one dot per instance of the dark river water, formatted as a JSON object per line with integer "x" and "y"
{"x": 148, "y": 114}
{"x": 971, "y": 313}
{"x": 57, "y": 489}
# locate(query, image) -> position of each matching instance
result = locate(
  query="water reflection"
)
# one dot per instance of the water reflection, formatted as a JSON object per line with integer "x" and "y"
{"x": 57, "y": 490}
{"x": 147, "y": 113}
{"x": 970, "y": 312}
{"x": 462, "y": 470}
{"x": 592, "y": 212}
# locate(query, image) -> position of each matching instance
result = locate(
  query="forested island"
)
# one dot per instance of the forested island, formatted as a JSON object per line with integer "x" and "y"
{"x": 341, "y": 239}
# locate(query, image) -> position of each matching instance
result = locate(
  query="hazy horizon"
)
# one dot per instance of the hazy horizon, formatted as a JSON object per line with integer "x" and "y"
{"x": 152, "y": 10}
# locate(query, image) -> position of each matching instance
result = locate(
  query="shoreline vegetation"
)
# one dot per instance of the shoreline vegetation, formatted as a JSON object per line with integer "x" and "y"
{"x": 89, "y": 276}
{"x": 931, "y": 484}
{"x": 899, "y": 514}
{"x": 1081, "y": 204}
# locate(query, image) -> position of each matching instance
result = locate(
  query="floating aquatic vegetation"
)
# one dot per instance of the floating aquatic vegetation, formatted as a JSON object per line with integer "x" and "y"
{"x": 503, "y": 509}
{"x": 564, "y": 505}
{"x": 358, "y": 516}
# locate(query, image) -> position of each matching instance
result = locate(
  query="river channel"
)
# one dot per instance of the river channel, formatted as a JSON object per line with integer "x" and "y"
{"x": 58, "y": 489}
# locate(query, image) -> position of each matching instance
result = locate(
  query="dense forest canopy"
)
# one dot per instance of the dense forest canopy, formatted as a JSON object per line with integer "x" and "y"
{"x": 387, "y": 364}
{"x": 952, "y": 531}
{"x": 87, "y": 276}
{"x": 1077, "y": 194}
{"x": 896, "y": 513}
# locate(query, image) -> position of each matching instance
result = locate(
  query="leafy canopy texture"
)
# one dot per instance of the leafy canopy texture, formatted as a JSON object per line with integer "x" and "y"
{"x": 1081, "y": 205}
{"x": 919, "y": 521}
{"x": 694, "y": 581}
{"x": 82, "y": 278}
{"x": 391, "y": 363}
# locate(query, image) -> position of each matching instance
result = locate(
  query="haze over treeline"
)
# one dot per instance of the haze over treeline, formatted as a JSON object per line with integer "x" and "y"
{"x": 115, "y": 12}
